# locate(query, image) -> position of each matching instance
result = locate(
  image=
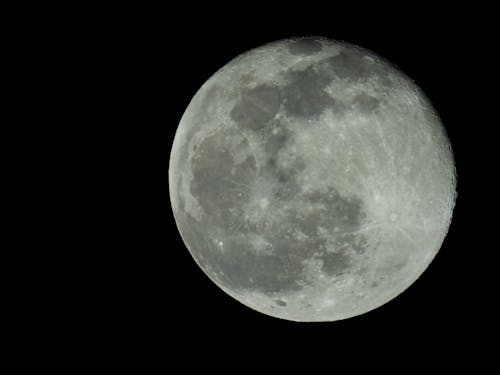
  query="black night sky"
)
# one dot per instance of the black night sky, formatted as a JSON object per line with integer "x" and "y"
{"x": 158, "y": 295}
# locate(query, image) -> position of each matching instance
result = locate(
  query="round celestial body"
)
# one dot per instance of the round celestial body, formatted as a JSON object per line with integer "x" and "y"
{"x": 311, "y": 180}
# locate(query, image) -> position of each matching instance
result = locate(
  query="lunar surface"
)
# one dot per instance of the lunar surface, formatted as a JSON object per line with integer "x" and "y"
{"x": 311, "y": 180}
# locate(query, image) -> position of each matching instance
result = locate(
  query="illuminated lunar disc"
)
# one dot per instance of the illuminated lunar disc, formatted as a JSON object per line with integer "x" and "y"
{"x": 311, "y": 180}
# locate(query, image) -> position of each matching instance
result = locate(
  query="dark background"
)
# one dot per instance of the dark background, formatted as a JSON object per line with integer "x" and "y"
{"x": 158, "y": 301}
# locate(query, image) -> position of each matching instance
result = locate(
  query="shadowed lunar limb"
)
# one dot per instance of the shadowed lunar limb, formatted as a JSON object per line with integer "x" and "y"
{"x": 311, "y": 180}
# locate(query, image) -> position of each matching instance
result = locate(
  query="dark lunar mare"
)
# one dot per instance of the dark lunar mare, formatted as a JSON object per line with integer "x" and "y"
{"x": 358, "y": 64}
{"x": 305, "y": 46}
{"x": 223, "y": 188}
{"x": 256, "y": 107}
{"x": 304, "y": 95}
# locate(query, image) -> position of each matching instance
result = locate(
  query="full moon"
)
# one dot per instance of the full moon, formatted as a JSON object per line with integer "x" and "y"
{"x": 311, "y": 180}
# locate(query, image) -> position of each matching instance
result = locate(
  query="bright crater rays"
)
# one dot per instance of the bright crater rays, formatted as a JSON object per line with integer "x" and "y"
{"x": 311, "y": 180}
